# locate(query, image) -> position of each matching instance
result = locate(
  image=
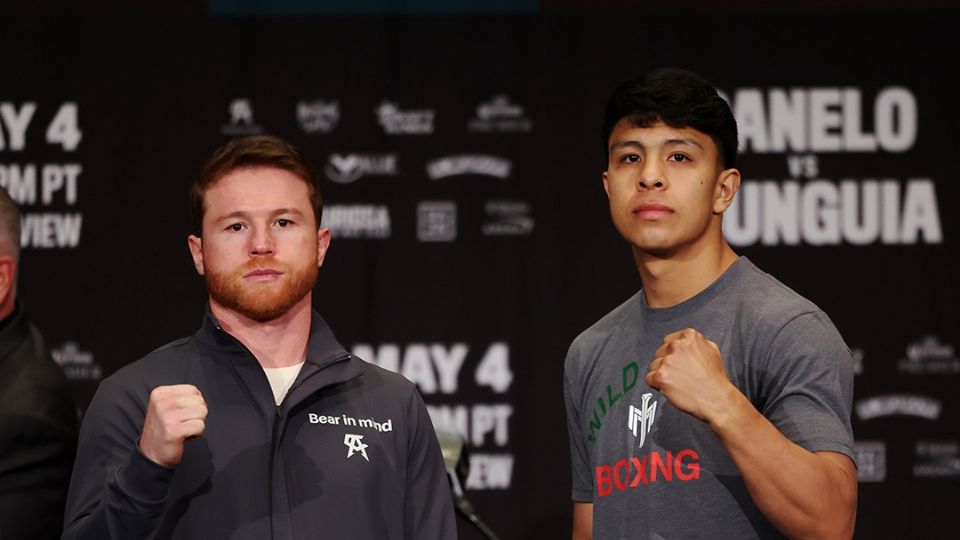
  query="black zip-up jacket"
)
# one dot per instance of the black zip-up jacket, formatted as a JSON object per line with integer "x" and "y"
{"x": 349, "y": 453}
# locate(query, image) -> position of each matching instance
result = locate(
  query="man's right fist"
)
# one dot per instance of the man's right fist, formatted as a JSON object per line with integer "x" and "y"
{"x": 174, "y": 414}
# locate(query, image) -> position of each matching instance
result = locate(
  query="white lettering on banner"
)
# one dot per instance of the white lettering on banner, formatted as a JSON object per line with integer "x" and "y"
{"x": 435, "y": 367}
{"x": 56, "y": 178}
{"x": 898, "y": 404}
{"x": 357, "y": 220}
{"x": 490, "y": 471}
{"x": 475, "y": 422}
{"x": 820, "y": 212}
{"x": 823, "y": 120}
{"x": 43, "y": 184}
{"x": 50, "y": 230}
{"x": 15, "y": 123}
{"x": 20, "y": 181}
{"x": 64, "y": 129}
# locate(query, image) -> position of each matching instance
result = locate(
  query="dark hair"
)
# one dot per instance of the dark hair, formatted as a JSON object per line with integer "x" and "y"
{"x": 10, "y": 223}
{"x": 678, "y": 98}
{"x": 252, "y": 152}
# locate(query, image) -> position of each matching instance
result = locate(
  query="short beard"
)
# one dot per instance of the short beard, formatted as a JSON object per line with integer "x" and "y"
{"x": 265, "y": 303}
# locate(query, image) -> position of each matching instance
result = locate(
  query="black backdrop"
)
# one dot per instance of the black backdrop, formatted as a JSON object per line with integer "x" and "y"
{"x": 473, "y": 245}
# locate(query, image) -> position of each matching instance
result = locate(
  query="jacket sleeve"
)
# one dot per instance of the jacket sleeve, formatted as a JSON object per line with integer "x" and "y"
{"x": 428, "y": 504}
{"x": 35, "y": 459}
{"x": 115, "y": 492}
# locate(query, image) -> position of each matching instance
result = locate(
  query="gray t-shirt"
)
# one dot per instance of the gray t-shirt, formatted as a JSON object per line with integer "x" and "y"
{"x": 652, "y": 471}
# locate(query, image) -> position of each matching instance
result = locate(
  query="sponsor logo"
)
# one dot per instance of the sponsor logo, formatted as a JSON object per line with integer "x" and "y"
{"x": 937, "y": 459}
{"x": 357, "y": 220}
{"x": 347, "y": 168}
{"x": 857, "y": 357}
{"x": 898, "y": 405}
{"x": 354, "y": 444}
{"x": 651, "y": 468}
{"x": 641, "y": 418}
{"x": 241, "y": 119}
{"x": 396, "y": 121}
{"x": 437, "y": 221}
{"x": 318, "y": 116}
{"x": 508, "y": 218}
{"x": 77, "y": 364}
{"x": 929, "y": 356}
{"x": 469, "y": 164}
{"x": 499, "y": 115}
{"x": 871, "y": 458}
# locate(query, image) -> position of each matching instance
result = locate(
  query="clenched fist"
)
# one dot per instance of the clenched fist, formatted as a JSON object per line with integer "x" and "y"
{"x": 688, "y": 370}
{"x": 174, "y": 414}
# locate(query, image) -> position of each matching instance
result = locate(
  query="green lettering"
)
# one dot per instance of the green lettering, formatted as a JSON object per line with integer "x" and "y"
{"x": 636, "y": 373}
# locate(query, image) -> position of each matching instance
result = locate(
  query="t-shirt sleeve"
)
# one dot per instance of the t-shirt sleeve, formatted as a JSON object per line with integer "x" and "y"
{"x": 807, "y": 385}
{"x": 579, "y": 456}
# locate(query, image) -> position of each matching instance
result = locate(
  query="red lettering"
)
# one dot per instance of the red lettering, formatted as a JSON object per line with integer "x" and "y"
{"x": 604, "y": 485}
{"x": 621, "y": 466}
{"x": 693, "y": 470}
{"x": 641, "y": 467}
{"x": 656, "y": 462}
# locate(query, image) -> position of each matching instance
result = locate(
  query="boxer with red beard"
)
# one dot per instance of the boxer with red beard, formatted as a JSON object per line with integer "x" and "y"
{"x": 260, "y": 425}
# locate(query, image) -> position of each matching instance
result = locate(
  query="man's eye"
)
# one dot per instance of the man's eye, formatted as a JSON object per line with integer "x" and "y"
{"x": 630, "y": 158}
{"x": 236, "y": 227}
{"x": 679, "y": 157}
{"x": 283, "y": 222}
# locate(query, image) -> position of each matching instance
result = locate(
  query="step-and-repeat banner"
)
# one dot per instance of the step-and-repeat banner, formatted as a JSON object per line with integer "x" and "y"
{"x": 471, "y": 238}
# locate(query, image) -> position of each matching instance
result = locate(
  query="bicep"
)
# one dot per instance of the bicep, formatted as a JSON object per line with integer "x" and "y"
{"x": 582, "y": 521}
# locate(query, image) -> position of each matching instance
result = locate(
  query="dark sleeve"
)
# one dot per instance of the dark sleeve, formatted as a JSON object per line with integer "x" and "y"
{"x": 583, "y": 488}
{"x": 115, "y": 492}
{"x": 428, "y": 504}
{"x": 809, "y": 382}
{"x": 36, "y": 454}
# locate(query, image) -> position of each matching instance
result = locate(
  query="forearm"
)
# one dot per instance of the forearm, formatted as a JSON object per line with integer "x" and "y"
{"x": 804, "y": 494}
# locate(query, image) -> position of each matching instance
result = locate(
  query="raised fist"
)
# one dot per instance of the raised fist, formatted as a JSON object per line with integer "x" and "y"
{"x": 174, "y": 414}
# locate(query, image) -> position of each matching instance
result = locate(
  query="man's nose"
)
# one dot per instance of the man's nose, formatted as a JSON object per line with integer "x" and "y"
{"x": 262, "y": 242}
{"x": 651, "y": 176}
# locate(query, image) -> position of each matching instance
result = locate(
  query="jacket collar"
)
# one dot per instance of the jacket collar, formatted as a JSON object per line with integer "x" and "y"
{"x": 327, "y": 361}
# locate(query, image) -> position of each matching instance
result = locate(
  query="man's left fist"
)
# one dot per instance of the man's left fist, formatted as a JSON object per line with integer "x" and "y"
{"x": 688, "y": 370}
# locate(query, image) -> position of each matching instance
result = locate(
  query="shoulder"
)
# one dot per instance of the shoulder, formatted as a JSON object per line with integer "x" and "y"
{"x": 782, "y": 319}
{"x": 166, "y": 358}
{"x": 164, "y": 365}
{"x": 386, "y": 384}
{"x": 767, "y": 302}
{"x": 34, "y": 383}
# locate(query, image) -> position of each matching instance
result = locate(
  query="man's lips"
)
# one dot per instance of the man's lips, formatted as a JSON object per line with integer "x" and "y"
{"x": 651, "y": 210}
{"x": 262, "y": 273}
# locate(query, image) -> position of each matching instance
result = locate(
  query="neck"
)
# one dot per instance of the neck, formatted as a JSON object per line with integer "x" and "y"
{"x": 281, "y": 342}
{"x": 669, "y": 279}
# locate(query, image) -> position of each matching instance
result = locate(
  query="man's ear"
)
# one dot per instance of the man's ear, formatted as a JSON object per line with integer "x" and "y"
{"x": 8, "y": 277}
{"x": 727, "y": 186}
{"x": 195, "y": 243}
{"x": 323, "y": 244}
{"x": 606, "y": 184}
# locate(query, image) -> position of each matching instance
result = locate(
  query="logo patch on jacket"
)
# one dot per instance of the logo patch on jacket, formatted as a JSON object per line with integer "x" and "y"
{"x": 354, "y": 444}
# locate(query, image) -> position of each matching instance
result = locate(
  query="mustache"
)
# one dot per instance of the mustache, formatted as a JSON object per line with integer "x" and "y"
{"x": 273, "y": 264}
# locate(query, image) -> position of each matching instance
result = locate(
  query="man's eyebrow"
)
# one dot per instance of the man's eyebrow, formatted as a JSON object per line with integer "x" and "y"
{"x": 626, "y": 144}
{"x": 242, "y": 214}
{"x": 672, "y": 142}
{"x": 666, "y": 142}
